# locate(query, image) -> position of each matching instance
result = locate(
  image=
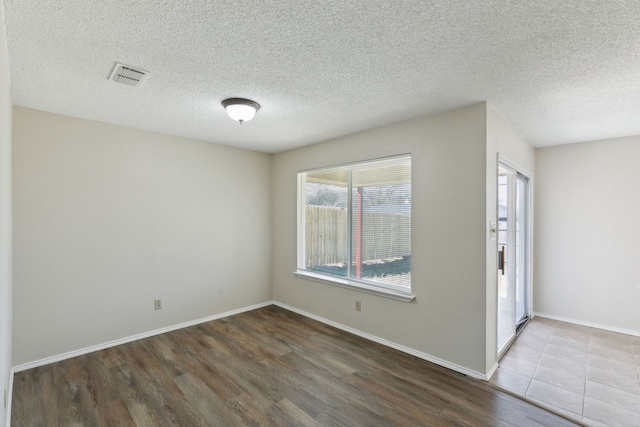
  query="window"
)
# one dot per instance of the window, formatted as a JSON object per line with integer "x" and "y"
{"x": 354, "y": 225}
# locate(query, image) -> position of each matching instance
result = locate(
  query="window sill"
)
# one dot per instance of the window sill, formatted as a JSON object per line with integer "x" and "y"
{"x": 356, "y": 286}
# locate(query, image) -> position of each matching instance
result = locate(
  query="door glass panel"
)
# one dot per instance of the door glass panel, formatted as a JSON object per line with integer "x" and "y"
{"x": 513, "y": 243}
{"x": 521, "y": 244}
{"x": 506, "y": 301}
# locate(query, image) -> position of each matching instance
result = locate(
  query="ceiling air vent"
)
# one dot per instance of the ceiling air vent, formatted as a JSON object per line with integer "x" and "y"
{"x": 128, "y": 75}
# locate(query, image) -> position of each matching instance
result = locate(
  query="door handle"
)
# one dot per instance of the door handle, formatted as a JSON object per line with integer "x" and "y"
{"x": 501, "y": 259}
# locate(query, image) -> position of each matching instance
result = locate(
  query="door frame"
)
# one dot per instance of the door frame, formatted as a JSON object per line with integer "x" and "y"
{"x": 504, "y": 161}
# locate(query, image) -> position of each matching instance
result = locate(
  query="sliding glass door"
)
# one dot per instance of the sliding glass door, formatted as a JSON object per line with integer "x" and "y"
{"x": 513, "y": 254}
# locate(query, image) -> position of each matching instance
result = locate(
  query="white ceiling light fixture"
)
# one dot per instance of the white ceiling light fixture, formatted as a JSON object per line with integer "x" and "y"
{"x": 240, "y": 109}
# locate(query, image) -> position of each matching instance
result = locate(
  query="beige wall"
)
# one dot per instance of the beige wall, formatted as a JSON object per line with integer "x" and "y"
{"x": 5, "y": 217}
{"x": 587, "y": 234}
{"x": 447, "y": 319}
{"x": 108, "y": 218}
{"x": 502, "y": 140}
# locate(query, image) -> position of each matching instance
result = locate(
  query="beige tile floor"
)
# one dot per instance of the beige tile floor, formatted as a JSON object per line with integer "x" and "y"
{"x": 587, "y": 374}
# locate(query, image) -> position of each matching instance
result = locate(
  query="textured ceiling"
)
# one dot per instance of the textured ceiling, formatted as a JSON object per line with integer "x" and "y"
{"x": 561, "y": 71}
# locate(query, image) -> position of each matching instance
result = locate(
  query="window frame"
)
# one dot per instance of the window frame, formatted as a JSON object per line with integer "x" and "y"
{"x": 387, "y": 290}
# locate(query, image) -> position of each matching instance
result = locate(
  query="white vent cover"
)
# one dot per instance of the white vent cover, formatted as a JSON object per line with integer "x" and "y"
{"x": 128, "y": 75}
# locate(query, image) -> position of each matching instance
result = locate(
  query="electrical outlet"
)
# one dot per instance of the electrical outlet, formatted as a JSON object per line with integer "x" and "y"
{"x": 358, "y": 306}
{"x": 157, "y": 304}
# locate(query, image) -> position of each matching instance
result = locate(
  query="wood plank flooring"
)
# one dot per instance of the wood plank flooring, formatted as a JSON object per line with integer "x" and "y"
{"x": 267, "y": 367}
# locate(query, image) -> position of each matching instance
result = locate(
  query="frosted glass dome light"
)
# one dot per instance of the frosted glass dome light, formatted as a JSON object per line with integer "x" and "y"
{"x": 240, "y": 109}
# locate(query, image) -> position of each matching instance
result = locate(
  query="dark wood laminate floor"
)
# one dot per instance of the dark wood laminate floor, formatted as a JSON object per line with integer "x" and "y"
{"x": 268, "y": 367}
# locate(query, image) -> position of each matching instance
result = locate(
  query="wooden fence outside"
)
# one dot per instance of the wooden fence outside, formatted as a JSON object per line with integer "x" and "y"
{"x": 384, "y": 236}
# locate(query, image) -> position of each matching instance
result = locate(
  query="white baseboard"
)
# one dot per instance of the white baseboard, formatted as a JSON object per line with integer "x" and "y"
{"x": 388, "y": 343}
{"x": 80, "y": 352}
{"x": 588, "y": 324}
{"x": 492, "y": 371}
{"x": 404, "y": 349}
{"x": 10, "y": 397}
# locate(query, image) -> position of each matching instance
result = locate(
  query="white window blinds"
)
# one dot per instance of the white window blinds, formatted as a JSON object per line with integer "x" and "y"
{"x": 357, "y": 222}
